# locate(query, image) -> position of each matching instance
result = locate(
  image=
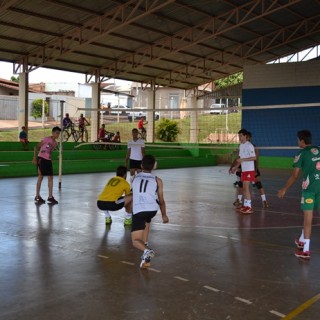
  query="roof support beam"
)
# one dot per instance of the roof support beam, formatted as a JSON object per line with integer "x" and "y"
{"x": 208, "y": 29}
{"x": 93, "y": 29}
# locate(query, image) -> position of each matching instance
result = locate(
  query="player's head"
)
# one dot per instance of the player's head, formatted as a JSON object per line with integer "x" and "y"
{"x": 56, "y": 132}
{"x": 304, "y": 136}
{"x": 122, "y": 171}
{"x": 243, "y": 135}
{"x": 81, "y": 115}
{"x": 67, "y": 115}
{"x": 135, "y": 132}
{"x": 148, "y": 163}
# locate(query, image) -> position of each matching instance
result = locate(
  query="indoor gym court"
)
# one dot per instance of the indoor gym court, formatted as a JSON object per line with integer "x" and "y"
{"x": 61, "y": 262}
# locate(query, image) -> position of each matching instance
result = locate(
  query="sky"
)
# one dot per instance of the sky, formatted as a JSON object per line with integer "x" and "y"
{"x": 46, "y": 75}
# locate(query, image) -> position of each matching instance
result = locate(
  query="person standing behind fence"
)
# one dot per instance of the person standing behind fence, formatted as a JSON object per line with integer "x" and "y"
{"x": 42, "y": 158}
{"x": 306, "y": 161}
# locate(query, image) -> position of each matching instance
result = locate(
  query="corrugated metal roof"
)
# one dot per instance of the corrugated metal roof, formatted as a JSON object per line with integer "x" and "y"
{"x": 179, "y": 43}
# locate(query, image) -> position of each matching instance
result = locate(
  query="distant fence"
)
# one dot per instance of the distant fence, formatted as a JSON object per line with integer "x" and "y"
{"x": 9, "y": 107}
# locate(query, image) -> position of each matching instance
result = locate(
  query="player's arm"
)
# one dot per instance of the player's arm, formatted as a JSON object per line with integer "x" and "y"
{"x": 128, "y": 156}
{"x": 234, "y": 165}
{"x": 143, "y": 151}
{"x": 162, "y": 203}
{"x": 36, "y": 151}
{"x": 294, "y": 176}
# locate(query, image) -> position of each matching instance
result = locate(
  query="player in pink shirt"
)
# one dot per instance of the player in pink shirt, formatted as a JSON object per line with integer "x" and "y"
{"x": 42, "y": 158}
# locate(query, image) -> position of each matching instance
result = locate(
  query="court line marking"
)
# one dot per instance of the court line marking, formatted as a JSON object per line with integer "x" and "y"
{"x": 243, "y": 300}
{"x": 180, "y": 278}
{"x": 211, "y": 288}
{"x": 248, "y": 302}
{"x": 104, "y": 257}
{"x": 302, "y": 307}
{"x": 127, "y": 262}
{"x": 279, "y": 314}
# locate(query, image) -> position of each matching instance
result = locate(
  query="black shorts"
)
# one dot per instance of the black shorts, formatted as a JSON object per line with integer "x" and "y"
{"x": 135, "y": 164}
{"x": 45, "y": 167}
{"x": 139, "y": 220}
{"x": 111, "y": 205}
{"x": 257, "y": 174}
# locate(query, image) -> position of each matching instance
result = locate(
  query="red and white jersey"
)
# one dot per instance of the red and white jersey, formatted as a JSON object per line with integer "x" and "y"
{"x": 246, "y": 150}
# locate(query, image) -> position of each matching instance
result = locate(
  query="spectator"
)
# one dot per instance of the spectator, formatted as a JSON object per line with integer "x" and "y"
{"x": 23, "y": 136}
{"x": 66, "y": 122}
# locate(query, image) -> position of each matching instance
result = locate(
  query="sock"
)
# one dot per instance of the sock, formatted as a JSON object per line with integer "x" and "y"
{"x": 301, "y": 239}
{"x": 107, "y": 214}
{"x": 247, "y": 203}
{"x": 263, "y": 197}
{"x": 128, "y": 215}
{"x": 306, "y": 246}
{"x": 240, "y": 197}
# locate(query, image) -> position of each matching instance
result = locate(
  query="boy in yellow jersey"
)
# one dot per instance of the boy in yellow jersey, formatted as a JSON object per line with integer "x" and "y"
{"x": 116, "y": 195}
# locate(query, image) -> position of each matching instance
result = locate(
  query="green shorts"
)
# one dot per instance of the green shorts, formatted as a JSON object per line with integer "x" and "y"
{"x": 310, "y": 200}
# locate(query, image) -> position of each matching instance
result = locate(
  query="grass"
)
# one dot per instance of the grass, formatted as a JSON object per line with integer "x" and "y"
{"x": 206, "y": 125}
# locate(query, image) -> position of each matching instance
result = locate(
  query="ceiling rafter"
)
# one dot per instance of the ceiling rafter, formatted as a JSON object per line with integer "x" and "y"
{"x": 191, "y": 36}
{"x": 254, "y": 47}
{"x": 6, "y": 4}
{"x": 107, "y": 23}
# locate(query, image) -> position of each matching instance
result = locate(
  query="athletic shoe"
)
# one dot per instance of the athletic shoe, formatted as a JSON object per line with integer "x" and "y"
{"x": 240, "y": 208}
{"x": 127, "y": 221}
{"x": 298, "y": 243}
{"x": 237, "y": 203}
{"x": 246, "y": 210}
{"x": 39, "y": 200}
{"x": 108, "y": 220}
{"x": 52, "y": 200}
{"x": 265, "y": 204}
{"x": 303, "y": 254}
{"x": 146, "y": 258}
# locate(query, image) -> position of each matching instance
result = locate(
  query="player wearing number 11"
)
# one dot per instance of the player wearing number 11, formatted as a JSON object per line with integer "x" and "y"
{"x": 147, "y": 191}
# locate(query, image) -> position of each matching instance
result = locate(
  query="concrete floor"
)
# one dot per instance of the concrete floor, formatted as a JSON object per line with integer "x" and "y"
{"x": 61, "y": 262}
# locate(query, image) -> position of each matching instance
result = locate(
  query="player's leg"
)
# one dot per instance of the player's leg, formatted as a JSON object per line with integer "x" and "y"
{"x": 259, "y": 186}
{"x": 139, "y": 222}
{"x": 128, "y": 208}
{"x": 38, "y": 199}
{"x": 105, "y": 206}
{"x": 310, "y": 201}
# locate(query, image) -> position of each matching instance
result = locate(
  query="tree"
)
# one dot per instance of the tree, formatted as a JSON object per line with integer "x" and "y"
{"x": 167, "y": 130}
{"x": 37, "y": 108}
{"x": 229, "y": 81}
{"x": 14, "y": 79}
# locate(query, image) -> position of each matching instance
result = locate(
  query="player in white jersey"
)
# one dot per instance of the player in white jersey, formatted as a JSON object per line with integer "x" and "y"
{"x": 135, "y": 153}
{"x": 147, "y": 190}
{"x": 246, "y": 159}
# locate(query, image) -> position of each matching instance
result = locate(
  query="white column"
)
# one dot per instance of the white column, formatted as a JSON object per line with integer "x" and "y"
{"x": 150, "y": 99}
{"x": 193, "y": 120}
{"x": 23, "y": 108}
{"x": 94, "y": 114}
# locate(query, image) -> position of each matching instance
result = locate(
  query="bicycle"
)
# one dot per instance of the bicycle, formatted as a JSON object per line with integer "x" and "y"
{"x": 66, "y": 133}
{"x": 108, "y": 138}
{"x": 142, "y": 134}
